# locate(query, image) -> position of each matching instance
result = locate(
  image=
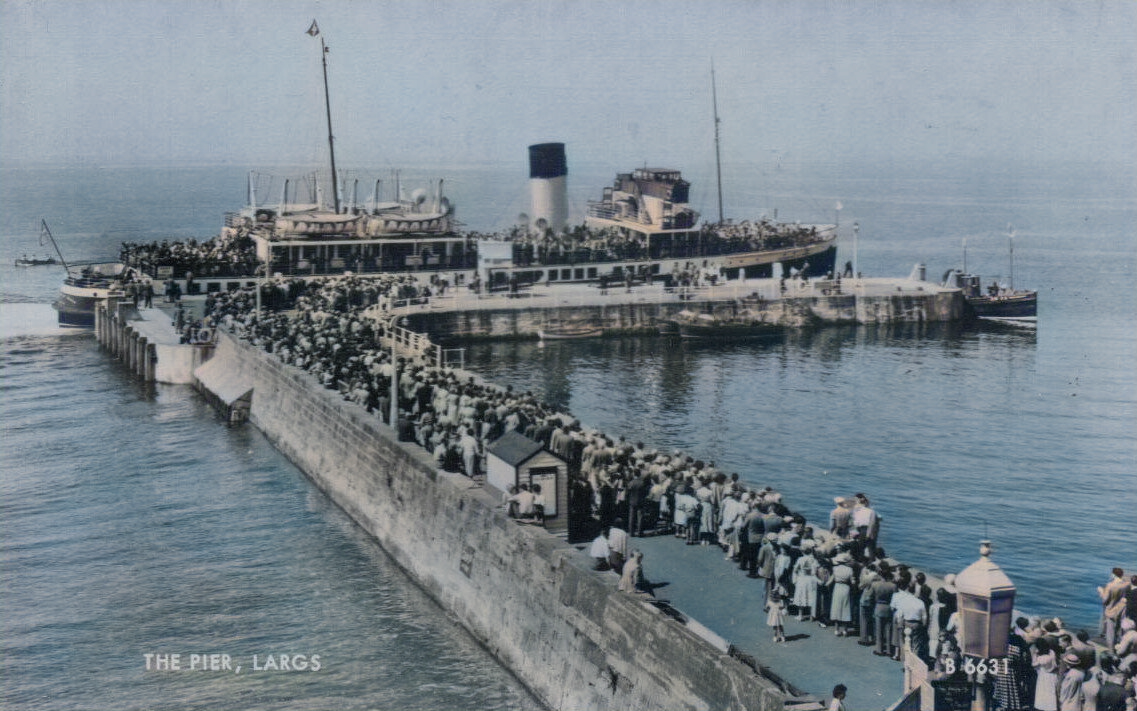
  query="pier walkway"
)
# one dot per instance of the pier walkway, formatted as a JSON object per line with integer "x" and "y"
{"x": 697, "y": 581}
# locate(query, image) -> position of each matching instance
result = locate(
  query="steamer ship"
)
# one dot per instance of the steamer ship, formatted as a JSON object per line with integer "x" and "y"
{"x": 642, "y": 229}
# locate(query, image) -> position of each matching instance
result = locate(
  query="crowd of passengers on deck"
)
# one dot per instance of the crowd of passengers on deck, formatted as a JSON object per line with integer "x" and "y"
{"x": 235, "y": 255}
{"x": 217, "y": 257}
{"x": 580, "y": 244}
{"x": 836, "y": 575}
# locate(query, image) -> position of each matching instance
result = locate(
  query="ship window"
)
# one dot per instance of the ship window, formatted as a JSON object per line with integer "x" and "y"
{"x": 566, "y": 274}
{"x": 592, "y": 272}
{"x": 578, "y": 274}
{"x": 552, "y": 275}
{"x": 212, "y": 287}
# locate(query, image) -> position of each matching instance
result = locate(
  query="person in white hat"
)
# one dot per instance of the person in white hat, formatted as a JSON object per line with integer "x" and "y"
{"x": 1070, "y": 688}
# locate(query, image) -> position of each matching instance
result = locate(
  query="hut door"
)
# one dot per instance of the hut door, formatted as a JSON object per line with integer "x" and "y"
{"x": 547, "y": 478}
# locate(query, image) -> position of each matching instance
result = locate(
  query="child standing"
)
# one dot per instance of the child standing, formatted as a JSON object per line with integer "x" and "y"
{"x": 776, "y": 616}
{"x": 838, "y": 702}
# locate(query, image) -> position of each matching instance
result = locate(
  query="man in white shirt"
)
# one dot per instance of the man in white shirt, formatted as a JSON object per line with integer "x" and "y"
{"x": 524, "y": 500}
{"x": 911, "y": 615}
{"x": 618, "y": 548}
{"x": 599, "y": 551}
{"x": 864, "y": 521}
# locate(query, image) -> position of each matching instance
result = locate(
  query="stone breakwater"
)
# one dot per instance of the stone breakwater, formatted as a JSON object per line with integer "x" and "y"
{"x": 530, "y": 598}
{"x": 644, "y": 310}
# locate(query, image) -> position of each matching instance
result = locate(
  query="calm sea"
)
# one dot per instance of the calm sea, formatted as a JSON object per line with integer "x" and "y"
{"x": 135, "y": 523}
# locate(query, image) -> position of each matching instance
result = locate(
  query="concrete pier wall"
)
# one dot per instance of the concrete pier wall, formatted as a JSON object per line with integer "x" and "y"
{"x": 906, "y": 304}
{"x": 529, "y": 597}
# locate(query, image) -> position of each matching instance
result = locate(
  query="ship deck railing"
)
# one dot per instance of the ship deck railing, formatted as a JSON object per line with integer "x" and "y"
{"x": 94, "y": 282}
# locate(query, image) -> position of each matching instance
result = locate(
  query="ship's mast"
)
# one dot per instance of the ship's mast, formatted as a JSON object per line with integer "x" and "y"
{"x": 314, "y": 30}
{"x": 45, "y": 232}
{"x": 718, "y": 160}
{"x": 1011, "y": 241}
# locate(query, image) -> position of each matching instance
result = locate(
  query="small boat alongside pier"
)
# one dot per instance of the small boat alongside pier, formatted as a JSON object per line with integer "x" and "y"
{"x": 569, "y": 330}
{"x": 1005, "y": 303}
{"x": 742, "y": 325}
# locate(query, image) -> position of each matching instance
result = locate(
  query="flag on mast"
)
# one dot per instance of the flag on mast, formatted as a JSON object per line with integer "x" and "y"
{"x": 314, "y": 29}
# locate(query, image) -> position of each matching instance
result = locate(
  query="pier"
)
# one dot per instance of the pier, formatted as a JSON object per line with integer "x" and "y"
{"x": 146, "y": 341}
{"x": 524, "y": 592}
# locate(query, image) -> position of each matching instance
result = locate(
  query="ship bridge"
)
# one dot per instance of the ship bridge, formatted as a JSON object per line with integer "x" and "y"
{"x": 646, "y": 201}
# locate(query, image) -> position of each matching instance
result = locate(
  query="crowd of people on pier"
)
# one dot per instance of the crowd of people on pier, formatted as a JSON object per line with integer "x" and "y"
{"x": 319, "y": 326}
{"x": 833, "y": 573}
{"x": 842, "y": 579}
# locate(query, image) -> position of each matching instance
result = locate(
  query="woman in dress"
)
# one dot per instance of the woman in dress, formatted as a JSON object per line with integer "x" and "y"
{"x": 705, "y": 495}
{"x": 1045, "y": 663}
{"x": 840, "y": 611}
{"x": 805, "y": 583}
{"x": 685, "y": 504}
{"x": 692, "y": 513}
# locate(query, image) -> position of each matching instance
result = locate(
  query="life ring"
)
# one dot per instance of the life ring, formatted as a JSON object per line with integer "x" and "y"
{"x": 204, "y": 336}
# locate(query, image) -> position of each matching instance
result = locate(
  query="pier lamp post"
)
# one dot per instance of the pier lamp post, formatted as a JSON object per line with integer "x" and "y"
{"x": 264, "y": 263}
{"x": 856, "y": 238}
{"x": 986, "y": 602}
{"x": 394, "y": 410}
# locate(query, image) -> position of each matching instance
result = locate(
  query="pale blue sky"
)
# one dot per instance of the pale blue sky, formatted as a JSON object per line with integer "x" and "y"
{"x": 452, "y": 82}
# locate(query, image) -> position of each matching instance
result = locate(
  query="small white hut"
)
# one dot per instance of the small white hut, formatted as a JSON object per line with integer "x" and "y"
{"x": 514, "y": 459}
